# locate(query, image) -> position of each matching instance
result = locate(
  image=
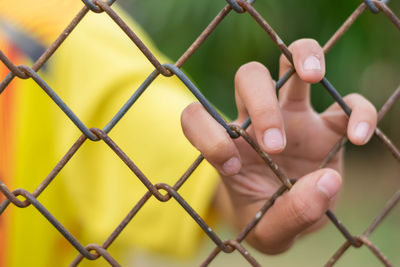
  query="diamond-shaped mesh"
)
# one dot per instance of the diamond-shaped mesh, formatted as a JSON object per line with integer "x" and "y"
{"x": 94, "y": 251}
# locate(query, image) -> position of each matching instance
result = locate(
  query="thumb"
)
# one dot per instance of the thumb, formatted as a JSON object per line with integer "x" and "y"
{"x": 295, "y": 211}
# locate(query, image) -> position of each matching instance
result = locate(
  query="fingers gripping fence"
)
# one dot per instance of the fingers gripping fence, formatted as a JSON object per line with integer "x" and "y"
{"x": 164, "y": 192}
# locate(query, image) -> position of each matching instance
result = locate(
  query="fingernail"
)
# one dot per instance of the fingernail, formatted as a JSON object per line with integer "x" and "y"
{"x": 273, "y": 139}
{"x": 312, "y": 63}
{"x": 361, "y": 131}
{"x": 231, "y": 166}
{"x": 329, "y": 184}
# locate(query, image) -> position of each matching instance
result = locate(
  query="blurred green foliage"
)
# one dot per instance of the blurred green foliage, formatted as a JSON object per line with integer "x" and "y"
{"x": 365, "y": 60}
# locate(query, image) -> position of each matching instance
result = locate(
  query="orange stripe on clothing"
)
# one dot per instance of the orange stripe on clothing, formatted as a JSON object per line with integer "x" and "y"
{"x": 7, "y": 128}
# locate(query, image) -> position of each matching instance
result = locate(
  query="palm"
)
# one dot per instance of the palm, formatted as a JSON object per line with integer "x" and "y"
{"x": 309, "y": 140}
{"x": 309, "y": 137}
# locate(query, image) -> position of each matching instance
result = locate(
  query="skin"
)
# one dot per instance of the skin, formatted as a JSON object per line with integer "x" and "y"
{"x": 306, "y": 138}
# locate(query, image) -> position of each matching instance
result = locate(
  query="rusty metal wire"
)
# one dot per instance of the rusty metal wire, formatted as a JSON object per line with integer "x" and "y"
{"x": 94, "y": 251}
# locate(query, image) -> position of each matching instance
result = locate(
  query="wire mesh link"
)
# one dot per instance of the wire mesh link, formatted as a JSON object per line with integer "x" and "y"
{"x": 164, "y": 192}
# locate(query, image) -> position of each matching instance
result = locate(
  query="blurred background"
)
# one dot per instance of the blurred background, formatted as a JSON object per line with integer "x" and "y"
{"x": 366, "y": 60}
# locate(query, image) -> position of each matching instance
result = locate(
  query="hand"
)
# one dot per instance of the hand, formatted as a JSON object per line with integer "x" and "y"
{"x": 297, "y": 138}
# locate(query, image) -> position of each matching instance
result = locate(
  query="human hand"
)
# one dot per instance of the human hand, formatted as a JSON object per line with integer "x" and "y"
{"x": 297, "y": 138}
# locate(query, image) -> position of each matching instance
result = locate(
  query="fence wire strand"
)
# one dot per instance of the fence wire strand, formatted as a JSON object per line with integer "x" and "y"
{"x": 164, "y": 192}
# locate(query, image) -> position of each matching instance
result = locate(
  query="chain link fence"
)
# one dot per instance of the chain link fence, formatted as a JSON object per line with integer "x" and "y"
{"x": 94, "y": 251}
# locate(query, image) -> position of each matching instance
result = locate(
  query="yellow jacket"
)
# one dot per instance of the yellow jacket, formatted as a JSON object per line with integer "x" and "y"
{"x": 94, "y": 71}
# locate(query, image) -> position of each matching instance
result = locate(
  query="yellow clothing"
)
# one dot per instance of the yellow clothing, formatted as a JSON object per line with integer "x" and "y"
{"x": 95, "y": 71}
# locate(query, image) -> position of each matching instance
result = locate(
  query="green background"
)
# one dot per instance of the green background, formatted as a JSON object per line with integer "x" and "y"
{"x": 365, "y": 60}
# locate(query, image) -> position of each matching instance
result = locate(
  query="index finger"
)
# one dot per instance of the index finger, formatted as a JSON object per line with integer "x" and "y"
{"x": 257, "y": 96}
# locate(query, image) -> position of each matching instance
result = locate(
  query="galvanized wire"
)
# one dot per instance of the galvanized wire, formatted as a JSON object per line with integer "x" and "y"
{"x": 94, "y": 251}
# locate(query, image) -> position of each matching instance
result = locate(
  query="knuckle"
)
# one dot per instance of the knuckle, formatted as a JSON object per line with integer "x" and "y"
{"x": 266, "y": 115}
{"x": 259, "y": 112}
{"x": 360, "y": 101}
{"x": 304, "y": 213}
{"x": 319, "y": 224}
{"x": 219, "y": 150}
